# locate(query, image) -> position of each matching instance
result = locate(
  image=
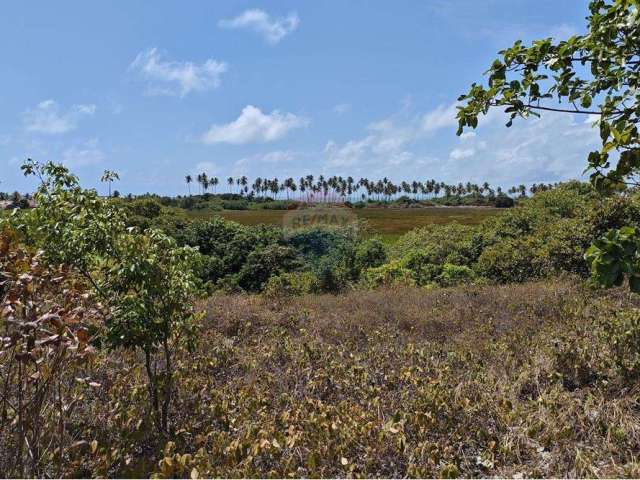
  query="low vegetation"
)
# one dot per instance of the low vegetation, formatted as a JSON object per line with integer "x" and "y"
{"x": 532, "y": 380}
{"x": 137, "y": 340}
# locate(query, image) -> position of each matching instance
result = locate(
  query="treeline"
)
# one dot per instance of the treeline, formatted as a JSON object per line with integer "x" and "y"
{"x": 336, "y": 188}
{"x": 546, "y": 235}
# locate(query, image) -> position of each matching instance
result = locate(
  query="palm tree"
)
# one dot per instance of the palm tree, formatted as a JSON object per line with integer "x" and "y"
{"x": 204, "y": 180}
{"x": 109, "y": 176}
{"x": 188, "y": 179}
{"x": 230, "y": 183}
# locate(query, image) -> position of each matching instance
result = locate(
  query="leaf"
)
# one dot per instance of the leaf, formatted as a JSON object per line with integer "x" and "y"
{"x": 195, "y": 474}
{"x": 344, "y": 461}
{"x": 94, "y": 447}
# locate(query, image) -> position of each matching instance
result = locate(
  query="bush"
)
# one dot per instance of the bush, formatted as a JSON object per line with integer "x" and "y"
{"x": 291, "y": 284}
{"x": 451, "y": 243}
{"x": 419, "y": 263}
{"x": 453, "y": 275}
{"x": 503, "y": 201}
{"x": 148, "y": 208}
{"x": 392, "y": 273}
{"x": 511, "y": 260}
{"x": 264, "y": 262}
{"x": 370, "y": 253}
{"x": 235, "y": 205}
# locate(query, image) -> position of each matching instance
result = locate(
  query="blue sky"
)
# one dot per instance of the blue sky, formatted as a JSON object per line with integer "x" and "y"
{"x": 157, "y": 90}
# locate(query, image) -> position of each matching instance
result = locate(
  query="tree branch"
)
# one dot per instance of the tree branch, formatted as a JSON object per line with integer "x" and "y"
{"x": 562, "y": 110}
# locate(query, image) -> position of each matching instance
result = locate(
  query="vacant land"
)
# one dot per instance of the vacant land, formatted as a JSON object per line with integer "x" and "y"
{"x": 389, "y": 223}
{"x": 477, "y": 381}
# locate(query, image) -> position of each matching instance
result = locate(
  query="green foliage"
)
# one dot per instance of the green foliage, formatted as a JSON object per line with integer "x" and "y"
{"x": 622, "y": 333}
{"x": 600, "y": 66}
{"x": 615, "y": 256}
{"x": 453, "y": 275}
{"x": 146, "y": 207}
{"x": 228, "y": 243}
{"x": 389, "y": 274}
{"x": 510, "y": 260}
{"x": 235, "y": 204}
{"x": 370, "y": 253}
{"x": 265, "y": 262}
{"x": 290, "y": 285}
{"x": 451, "y": 243}
{"x": 143, "y": 278}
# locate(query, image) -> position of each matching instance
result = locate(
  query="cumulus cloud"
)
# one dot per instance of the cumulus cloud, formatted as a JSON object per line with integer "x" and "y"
{"x": 254, "y": 126}
{"x": 271, "y": 29}
{"x": 552, "y": 148}
{"x": 48, "y": 118}
{"x": 176, "y": 77}
{"x": 84, "y": 154}
{"x": 444, "y": 116}
{"x": 547, "y": 149}
{"x": 460, "y": 153}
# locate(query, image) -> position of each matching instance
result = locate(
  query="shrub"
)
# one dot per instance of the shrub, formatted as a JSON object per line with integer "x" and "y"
{"x": 265, "y": 262}
{"x": 392, "y": 273}
{"x": 453, "y": 275}
{"x": 503, "y": 201}
{"x": 145, "y": 280}
{"x": 510, "y": 260}
{"x": 622, "y": 334}
{"x": 419, "y": 264}
{"x": 45, "y": 316}
{"x": 148, "y": 208}
{"x": 441, "y": 243}
{"x": 291, "y": 284}
{"x": 235, "y": 205}
{"x": 370, "y": 253}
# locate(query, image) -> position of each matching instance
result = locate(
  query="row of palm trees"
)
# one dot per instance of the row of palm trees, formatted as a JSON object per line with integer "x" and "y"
{"x": 336, "y": 188}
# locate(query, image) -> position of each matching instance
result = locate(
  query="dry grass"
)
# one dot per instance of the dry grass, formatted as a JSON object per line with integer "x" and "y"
{"x": 483, "y": 381}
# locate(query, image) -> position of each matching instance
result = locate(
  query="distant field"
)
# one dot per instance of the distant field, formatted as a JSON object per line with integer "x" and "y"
{"x": 387, "y": 222}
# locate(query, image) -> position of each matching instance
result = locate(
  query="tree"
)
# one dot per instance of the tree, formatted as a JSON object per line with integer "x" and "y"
{"x": 109, "y": 176}
{"x": 44, "y": 349}
{"x": 188, "y": 179}
{"x": 594, "y": 74}
{"x": 145, "y": 280}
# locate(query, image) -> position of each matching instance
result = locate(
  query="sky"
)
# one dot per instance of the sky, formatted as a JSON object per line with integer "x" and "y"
{"x": 158, "y": 90}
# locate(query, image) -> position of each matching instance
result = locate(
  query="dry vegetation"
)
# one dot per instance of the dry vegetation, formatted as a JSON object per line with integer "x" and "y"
{"x": 389, "y": 223}
{"x": 532, "y": 379}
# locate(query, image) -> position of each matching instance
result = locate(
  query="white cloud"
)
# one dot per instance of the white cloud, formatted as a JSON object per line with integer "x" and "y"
{"x": 553, "y": 148}
{"x": 82, "y": 155}
{"x": 467, "y": 136}
{"x": 176, "y": 78}
{"x": 444, "y": 116}
{"x": 47, "y": 117}
{"x": 342, "y": 108}
{"x": 254, "y": 126}
{"x": 272, "y": 29}
{"x": 460, "y": 153}
{"x": 349, "y": 154}
{"x": 547, "y": 149}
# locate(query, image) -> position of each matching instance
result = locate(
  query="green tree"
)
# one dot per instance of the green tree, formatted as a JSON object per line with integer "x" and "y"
{"x": 109, "y": 177}
{"x": 596, "y": 74}
{"x": 145, "y": 279}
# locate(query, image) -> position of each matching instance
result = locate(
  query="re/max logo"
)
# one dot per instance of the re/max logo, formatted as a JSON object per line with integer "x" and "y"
{"x": 301, "y": 219}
